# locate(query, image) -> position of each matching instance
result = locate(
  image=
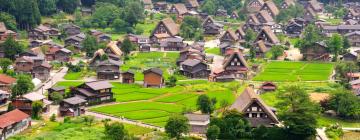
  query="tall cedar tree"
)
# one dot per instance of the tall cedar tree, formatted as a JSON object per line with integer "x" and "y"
{"x": 176, "y": 126}
{"x": 26, "y": 12}
{"x": 68, "y": 6}
{"x": 90, "y": 45}
{"x": 11, "y": 48}
{"x": 47, "y": 7}
{"x": 127, "y": 46}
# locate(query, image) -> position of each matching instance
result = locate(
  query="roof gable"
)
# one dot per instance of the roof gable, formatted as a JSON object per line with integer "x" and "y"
{"x": 270, "y": 5}
{"x": 170, "y": 25}
{"x": 12, "y": 117}
{"x": 268, "y": 35}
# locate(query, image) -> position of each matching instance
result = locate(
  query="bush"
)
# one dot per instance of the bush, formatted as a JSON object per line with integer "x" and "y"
{"x": 53, "y": 118}
{"x": 334, "y": 131}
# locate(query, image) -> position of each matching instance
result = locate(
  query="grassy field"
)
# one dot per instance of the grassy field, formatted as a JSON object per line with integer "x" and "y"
{"x": 154, "y": 106}
{"x": 139, "y": 62}
{"x": 214, "y": 50}
{"x": 73, "y": 76}
{"x": 351, "y": 136}
{"x": 295, "y": 71}
{"x": 74, "y": 130}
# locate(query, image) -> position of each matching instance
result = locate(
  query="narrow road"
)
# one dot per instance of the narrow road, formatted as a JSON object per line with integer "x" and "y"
{"x": 54, "y": 79}
{"x": 321, "y": 134}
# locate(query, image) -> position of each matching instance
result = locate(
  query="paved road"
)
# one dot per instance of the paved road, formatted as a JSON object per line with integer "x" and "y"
{"x": 54, "y": 79}
{"x": 321, "y": 134}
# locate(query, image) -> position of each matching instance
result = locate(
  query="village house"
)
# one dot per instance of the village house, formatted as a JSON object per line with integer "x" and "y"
{"x": 234, "y": 15}
{"x": 318, "y": 51}
{"x": 166, "y": 28}
{"x": 252, "y": 23}
{"x": 352, "y": 14}
{"x": 41, "y": 72}
{"x": 239, "y": 32}
{"x": 228, "y": 48}
{"x": 36, "y": 66}
{"x": 264, "y": 17}
{"x": 287, "y": 3}
{"x": 58, "y": 54}
{"x": 24, "y": 102}
{"x": 73, "y": 107}
{"x": 113, "y": 51}
{"x": 229, "y": 36}
{"x": 254, "y": 109}
{"x": 57, "y": 89}
{"x": 351, "y": 22}
{"x": 6, "y": 82}
{"x": 235, "y": 63}
{"x": 267, "y": 87}
{"x": 211, "y": 27}
{"x": 43, "y": 32}
{"x": 100, "y": 36}
{"x": 268, "y": 36}
{"x": 198, "y": 122}
{"x": 271, "y": 8}
{"x": 350, "y": 56}
{"x": 315, "y": 6}
{"x": 153, "y": 77}
{"x": 194, "y": 68}
{"x": 293, "y": 28}
{"x": 5, "y": 33}
{"x": 108, "y": 70}
{"x": 309, "y": 15}
{"x": 139, "y": 40}
{"x": 178, "y": 9}
{"x": 75, "y": 41}
{"x": 71, "y": 29}
{"x": 254, "y": 5}
{"x": 13, "y": 122}
{"x": 190, "y": 53}
{"x": 147, "y": 4}
{"x": 219, "y": 75}
{"x": 172, "y": 44}
{"x": 4, "y": 97}
{"x": 95, "y": 92}
{"x": 341, "y": 29}
{"x": 128, "y": 77}
{"x": 261, "y": 48}
{"x": 355, "y": 84}
{"x": 160, "y": 6}
{"x": 221, "y": 13}
{"x": 192, "y": 5}
{"x": 354, "y": 38}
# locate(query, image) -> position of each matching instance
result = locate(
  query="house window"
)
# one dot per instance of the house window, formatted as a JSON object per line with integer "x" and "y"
{"x": 253, "y": 108}
{"x": 232, "y": 63}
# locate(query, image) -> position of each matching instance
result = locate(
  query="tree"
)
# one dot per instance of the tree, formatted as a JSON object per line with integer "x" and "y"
{"x": 335, "y": 45}
{"x": 341, "y": 71}
{"x": 68, "y": 6}
{"x": 177, "y": 125}
{"x": 205, "y": 104}
{"x": 11, "y": 48}
{"x": 213, "y": 132}
{"x": 311, "y": 35}
{"x": 209, "y": 7}
{"x": 88, "y": 3}
{"x": 298, "y": 113}
{"x": 277, "y": 51}
{"x": 26, "y": 12}
{"x": 120, "y": 25}
{"x": 190, "y": 27}
{"x": 90, "y": 45}
{"x": 127, "y": 46}
{"x": 346, "y": 104}
{"x": 172, "y": 81}
{"x": 53, "y": 118}
{"x": 36, "y": 109}
{"x": 232, "y": 125}
{"x": 23, "y": 85}
{"x": 250, "y": 36}
{"x": 47, "y": 7}
{"x": 56, "y": 97}
{"x": 4, "y": 64}
{"x": 133, "y": 12}
{"x": 115, "y": 131}
{"x": 9, "y": 20}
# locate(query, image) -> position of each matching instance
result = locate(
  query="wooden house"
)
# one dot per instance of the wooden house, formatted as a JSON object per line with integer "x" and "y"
{"x": 108, "y": 70}
{"x": 5, "y": 33}
{"x": 234, "y": 15}
{"x": 194, "y": 68}
{"x": 254, "y": 5}
{"x": 271, "y": 8}
{"x": 113, "y": 51}
{"x": 351, "y": 22}
{"x": 153, "y": 77}
{"x": 239, "y": 32}
{"x": 4, "y": 97}
{"x": 236, "y": 64}
{"x": 75, "y": 41}
{"x": 24, "y": 64}
{"x": 252, "y": 23}
{"x": 128, "y": 77}
{"x": 318, "y": 51}
{"x": 100, "y": 36}
{"x": 221, "y": 13}
{"x": 229, "y": 36}
{"x": 73, "y": 107}
{"x": 287, "y": 3}
{"x": 293, "y": 28}
{"x": 264, "y": 17}
{"x": 71, "y": 29}
{"x": 58, "y": 54}
{"x": 172, "y": 44}
{"x": 192, "y": 5}
{"x": 13, "y": 122}
{"x": 139, "y": 40}
{"x": 43, "y": 32}
{"x": 267, "y": 87}
{"x": 354, "y": 38}
{"x": 315, "y": 6}
{"x": 190, "y": 53}
{"x": 95, "y": 92}
{"x": 6, "y": 82}
{"x": 254, "y": 109}
{"x": 268, "y": 36}
{"x": 211, "y": 27}
{"x": 178, "y": 9}
{"x": 42, "y": 71}
{"x": 309, "y": 15}
{"x": 24, "y": 102}
{"x": 198, "y": 122}
{"x": 352, "y": 14}
{"x": 166, "y": 28}
{"x": 160, "y": 6}
{"x": 57, "y": 89}
{"x": 350, "y": 56}
{"x": 261, "y": 48}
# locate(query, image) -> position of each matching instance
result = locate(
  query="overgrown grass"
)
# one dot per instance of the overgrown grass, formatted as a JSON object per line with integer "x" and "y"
{"x": 214, "y": 50}
{"x": 73, "y": 76}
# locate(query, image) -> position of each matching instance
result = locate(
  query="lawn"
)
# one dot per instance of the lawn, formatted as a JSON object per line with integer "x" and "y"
{"x": 295, "y": 71}
{"x": 214, "y": 50}
{"x": 73, "y": 76}
{"x": 147, "y": 27}
{"x": 154, "y": 106}
{"x": 138, "y": 62}
{"x": 74, "y": 130}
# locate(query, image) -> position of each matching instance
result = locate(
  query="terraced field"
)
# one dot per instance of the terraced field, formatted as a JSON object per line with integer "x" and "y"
{"x": 295, "y": 71}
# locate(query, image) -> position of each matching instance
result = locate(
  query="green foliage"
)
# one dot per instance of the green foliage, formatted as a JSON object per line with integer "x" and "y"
{"x": 205, "y": 104}
{"x": 53, "y": 118}
{"x": 56, "y": 97}
{"x": 9, "y": 20}
{"x": 4, "y": 64}
{"x": 190, "y": 27}
{"x": 133, "y": 12}
{"x": 334, "y": 131}
{"x": 120, "y": 25}
{"x": 127, "y": 46}
{"x": 291, "y": 12}
{"x": 346, "y": 104}
{"x": 11, "y": 48}
{"x": 250, "y": 35}
{"x": 10, "y": 107}
{"x": 23, "y": 85}
{"x": 68, "y": 6}
{"x": 47, "y": 7}
{"x": 277, "y": 51}
{"x": 36, "y": 109}
{"x": 115, "y": 131}
{"x": 335, "y": 45}
{"x": 232, "y": 125}
{"x": 212, "y": 132}
{"x": 105, "y": 12}
{"x": 311, "y": 35}
{"x": 177, "y": 125}
{"x": 26, "y": 12}
{"x": 172, "y": 81}
{"x": 88, "y": 120}
{"x": 298, "y": 112}
{"x": 342, "y": 69}
{"x": 90, "y": 45}
{"x": 209, "y": 7}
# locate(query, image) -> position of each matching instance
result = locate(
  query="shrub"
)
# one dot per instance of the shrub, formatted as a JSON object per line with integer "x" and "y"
{"x": 334, "y": 131}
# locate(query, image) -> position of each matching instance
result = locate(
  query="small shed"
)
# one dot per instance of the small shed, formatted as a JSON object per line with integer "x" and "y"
{"x": 198, "y": 122}
{"x": 128, "y": 77}
{"x": 268, "y": 86}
